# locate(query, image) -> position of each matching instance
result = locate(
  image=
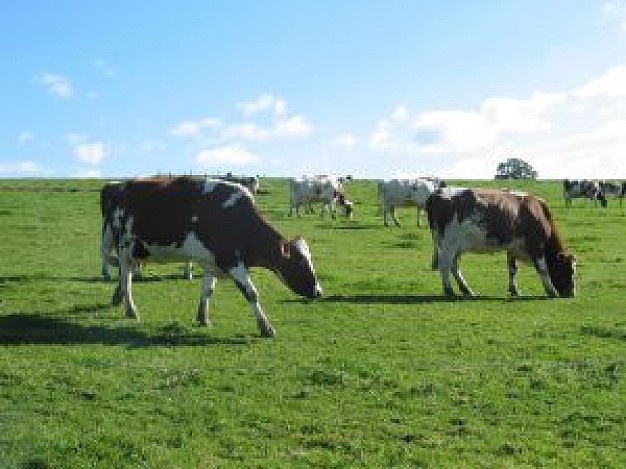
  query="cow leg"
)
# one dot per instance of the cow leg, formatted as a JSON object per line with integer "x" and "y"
{"x": 512, "y": 267}
{"x": 542, "y": 270}
{"x": 419, "y": 216}
{"x": 445, "y": 266}
{"x": 116, "y": 299}
{"x": 393, "y": 216}
{"x": 188, "y": 270}
{"x": 458, "y": 276}
{"x": 126, "y": 287}
{"x": 106, "y": 245}
{"x": 435, "y": 260}
{"x": 242, "y": 279}
{"x": 385, "y": 216}
{"x": 208, "y": 287}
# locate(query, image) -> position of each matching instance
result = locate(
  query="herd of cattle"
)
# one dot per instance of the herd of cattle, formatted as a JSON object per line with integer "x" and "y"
{"x": 598, "y": 191}
{"x": 214, "y": 222}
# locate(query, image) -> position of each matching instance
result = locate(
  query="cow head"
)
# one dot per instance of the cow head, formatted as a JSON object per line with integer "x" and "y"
{"x": 295, "y": 269}
{"x": 562, "y": 273}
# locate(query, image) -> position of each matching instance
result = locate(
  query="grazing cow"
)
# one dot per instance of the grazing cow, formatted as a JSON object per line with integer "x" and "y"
{"x": 110, "y": 195}
{"x": 216, "y": 224}
{"x": 613, "y": 189}
{"x": 573, "y": 189}
{"x": 404, "y": 193}
{"x": 487, "y": 220}
{"x": 305, "y": 191}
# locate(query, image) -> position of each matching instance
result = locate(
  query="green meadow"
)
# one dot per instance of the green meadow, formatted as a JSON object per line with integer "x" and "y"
{"x": 382, "y": 372}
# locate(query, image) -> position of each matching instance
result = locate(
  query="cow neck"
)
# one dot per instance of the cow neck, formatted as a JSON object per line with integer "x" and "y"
{"x": 265, "y": 246}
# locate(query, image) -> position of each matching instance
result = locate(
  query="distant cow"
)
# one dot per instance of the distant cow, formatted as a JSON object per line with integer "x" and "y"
{"x": 573, "y": 189}
{"x": 613, "y": 189}
{"x": 216, "y": 224}
{"x": 110, "y": 195}
{"x": 485, "y": 220}
{"x": 404, "y": 193}
{"x": 305, "y": 191}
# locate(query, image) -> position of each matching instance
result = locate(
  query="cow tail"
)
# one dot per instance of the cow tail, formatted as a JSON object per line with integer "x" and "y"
{"x": 432, "y": 223}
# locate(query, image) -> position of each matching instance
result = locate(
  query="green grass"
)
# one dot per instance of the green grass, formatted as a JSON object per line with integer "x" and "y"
{"x": 381, "y": 372}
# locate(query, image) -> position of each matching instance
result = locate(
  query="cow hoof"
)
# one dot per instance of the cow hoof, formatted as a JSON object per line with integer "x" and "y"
{"x": 268, "y": 331}
{"x": 204, "y": 322}
{"x": 116, "y": 299}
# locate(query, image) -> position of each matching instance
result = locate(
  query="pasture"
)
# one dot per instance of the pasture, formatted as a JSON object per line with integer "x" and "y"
{"x": 380, "y": 372}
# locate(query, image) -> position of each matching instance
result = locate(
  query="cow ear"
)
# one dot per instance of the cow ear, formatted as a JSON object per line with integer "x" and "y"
{"x": 285, "y": 250}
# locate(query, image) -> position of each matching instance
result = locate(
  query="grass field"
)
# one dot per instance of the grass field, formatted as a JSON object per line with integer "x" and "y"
{"x": 382, "y": 372}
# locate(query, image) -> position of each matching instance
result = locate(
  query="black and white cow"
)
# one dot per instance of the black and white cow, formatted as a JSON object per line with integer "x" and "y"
{"x": 109, "y": 197}
{"x": 487, "y": 220}
{"x": 585, "y": 188}
{"x": 216, "y": 224}
{"x": 405, "y": 193}
{"x": 307, "y": 190}
{"x": 613, "y": 189}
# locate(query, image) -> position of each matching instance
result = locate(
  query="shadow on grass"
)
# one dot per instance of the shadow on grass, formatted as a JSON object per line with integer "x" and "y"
{"x": 38, "y": 329}
{"x": 418, "y": 299}
{"x": 26, "y": 278}
{"x": 347, "y": 225}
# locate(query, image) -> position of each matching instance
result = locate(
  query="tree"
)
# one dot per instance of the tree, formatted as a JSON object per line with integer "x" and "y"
{"x": 515, "y": 168}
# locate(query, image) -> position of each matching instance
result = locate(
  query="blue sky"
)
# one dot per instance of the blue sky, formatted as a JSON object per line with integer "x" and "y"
{"x": 284, "y": 88}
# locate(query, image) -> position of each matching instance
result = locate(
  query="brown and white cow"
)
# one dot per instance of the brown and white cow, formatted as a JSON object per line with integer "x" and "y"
{"x": 487, "y": 220}
{"x": 216, "y": 224}
{"x": 109, "y": 197}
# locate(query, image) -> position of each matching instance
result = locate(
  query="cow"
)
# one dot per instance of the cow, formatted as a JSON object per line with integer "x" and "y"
{"x": 613, "y": 189}
{"x": 215, "y": 223}
{"x": 573, "y": 189}
{"x": 110, "y": 194}
{"x": 404, "y": 193}
{"x": 488, "y": 220}
{"x": 305, "y": 191}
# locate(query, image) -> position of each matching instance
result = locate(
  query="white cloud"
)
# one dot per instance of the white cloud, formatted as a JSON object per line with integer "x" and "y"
{"x": 611, "y": 84}
{"x": 345, "y": 141}
{"x": 91, "y": 153}
{"x": 615, "y": 12}
{"x": 17, "y": 168}
{"x": 293, "y": 126}
{"x": 256, "y": 128}
{"x": 86, "y": 150}
{"x": 381, "y": 139}
{"x": 265, "y": 102}
{"x": 246, "y": 131}
{"x": 194, "y": 128}
{"x": 235, "y": 155}
{"x": 579, "y": 132}
{"x": 87, "y": 173}
{"x": 58, "y": 85}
